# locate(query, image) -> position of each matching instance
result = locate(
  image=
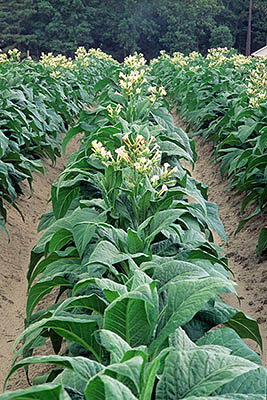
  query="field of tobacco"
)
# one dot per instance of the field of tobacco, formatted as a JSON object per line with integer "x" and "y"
{"x": 223, "y": 98}
{"x": 127, "y": 248}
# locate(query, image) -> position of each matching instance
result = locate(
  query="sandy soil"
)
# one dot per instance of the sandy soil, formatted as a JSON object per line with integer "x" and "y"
{"x": 250, "y": 275}
{"x": 14, "y": 259}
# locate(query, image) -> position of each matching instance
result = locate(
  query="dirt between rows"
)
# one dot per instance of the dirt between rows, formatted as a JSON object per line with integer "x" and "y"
{"x": 250, "y": 274}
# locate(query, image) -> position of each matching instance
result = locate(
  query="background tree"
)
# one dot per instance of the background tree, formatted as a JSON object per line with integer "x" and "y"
{"x": 120, "y": 27}
{"x": 221, "y": 36}
{"x": 16, "y": 24}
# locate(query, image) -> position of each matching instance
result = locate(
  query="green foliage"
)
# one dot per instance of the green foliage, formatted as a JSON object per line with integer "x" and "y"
{"x": 123, "y": 26}
{"x": 36, "y": 109}
{"x": 137, "y": 264}
{"x": 221, "y": 37}
{"x": 220, "y": 101}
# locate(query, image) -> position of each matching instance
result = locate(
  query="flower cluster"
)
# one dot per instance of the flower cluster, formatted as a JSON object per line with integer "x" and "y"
{"x": 240, "y": 61}
{"x": 14, "y": 55}
{"x": 141, "y": 156}
{"x": 3, "y": 57}
{"x": 132, "y": 82}
{"x": 84, "y": 56}
{"x": 218, "y": 56}
{"x": 195, "y": 68}
{"x": 56, "y": 62}
{"x": 114, "y": 111}
{"x": 194, "y": 55}
{"x": 55, "y": 74}
{"x": 179, "y": 60}
{"x": 156, "y": 92}
{"x": 135, "y": 61}
{"x": 101, "y": 152}
{"x": 163, "y": 56}
{"x": 257, "y": 85}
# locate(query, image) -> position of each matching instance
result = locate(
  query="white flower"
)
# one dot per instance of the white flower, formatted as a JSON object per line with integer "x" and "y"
{"x": 140, "y": 140}
{"x": 122, "y": 154}
{"x": 138, "y": 166}
{"x": 154, "y": 179}
{"x": 163, "y": 190}
{"x": 97, "y": 146}
{"x": 125, "y": 137}
{"x": 118, "y": 108}
{"x": 142, "y": 160}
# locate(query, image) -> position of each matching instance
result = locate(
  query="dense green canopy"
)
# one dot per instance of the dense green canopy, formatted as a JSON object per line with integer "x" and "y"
{"x": 120, "y": 27}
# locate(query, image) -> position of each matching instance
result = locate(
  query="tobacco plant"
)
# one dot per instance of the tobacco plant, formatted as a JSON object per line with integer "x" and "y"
{"x": 128, "y": 245}
{"x": 222, "y": 97}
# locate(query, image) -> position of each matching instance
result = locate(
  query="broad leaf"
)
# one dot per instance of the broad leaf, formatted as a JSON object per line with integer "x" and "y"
{"x": 185, "y": 298}
{"x": 48, "y": 391}
{"x": 114, "y": 344}
{"x": 199, "y": 372}
{"x": 83, "y": 367}
{"x": 246, "y": 327}
{"x": 103, "y": 387}
{"x": 229, "y": 338}
{"x": 129, "y": 318}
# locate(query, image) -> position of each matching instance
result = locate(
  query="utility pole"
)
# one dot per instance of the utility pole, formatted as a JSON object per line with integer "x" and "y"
{"x": 248, "y": 44}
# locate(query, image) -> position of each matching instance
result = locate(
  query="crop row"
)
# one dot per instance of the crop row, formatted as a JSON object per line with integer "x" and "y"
{"x": 136, "y": 273}
{"x": 223, "y": 98}
{"x": 38, "y": 103}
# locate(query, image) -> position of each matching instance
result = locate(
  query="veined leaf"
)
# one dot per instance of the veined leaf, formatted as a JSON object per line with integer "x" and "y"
{"x": 83, "y": 367}
{"x": 229, "y": 338}
{"x": 199, "y": 372}
{"x": 185, "y": 298}
{"x": 48, "y": 391}
{"x": 231, "y": 396}
{"x": 114, "y": 344}
{"x": 104, "y": 387}
{"x": 129, "y": 318}
{"x": 245, "y": 327}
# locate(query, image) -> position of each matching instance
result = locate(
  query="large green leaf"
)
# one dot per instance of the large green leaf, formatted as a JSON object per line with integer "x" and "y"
{"x": 199, "y": 372}
{"x": 84, "y": 227}
{"x": 127, "y": 372}
{"x": 185, "y": 298}
{"x": 250, "y": 383}
{"x": 129, "y": 318}
{"x": 76, "y": 328}
{"x": 246, "y": 327}
{"x": 180, "y": 341}
{"x": 106, "y": 253}
{"x": 214, "y": 221}
{"x": 152, "y": 226}
{"x": 168, "y": 270}
{"x": 150, "y": 373}
{"x": 231, "y": 396}
{"x": 59, "y": 240}
{"x": 3, "y": 144}
{"x": 114, "y": 344}
{"x": 38, "y": 291}
{"x": 62, "y": 198}
{"x": 229, "y": 338}
{"x": 111, "y": 289}
{"x": 83, "y": 367}
{"x": 48, "y": 391}
{"x": 104, "y": 387}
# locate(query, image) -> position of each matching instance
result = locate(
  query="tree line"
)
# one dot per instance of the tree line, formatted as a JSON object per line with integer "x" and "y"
{"x": 120, "y": 27}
